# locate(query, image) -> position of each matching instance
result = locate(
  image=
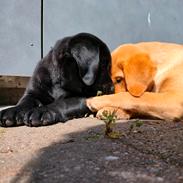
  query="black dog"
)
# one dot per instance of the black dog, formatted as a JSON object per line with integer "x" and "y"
{"x": 75, "y": 69}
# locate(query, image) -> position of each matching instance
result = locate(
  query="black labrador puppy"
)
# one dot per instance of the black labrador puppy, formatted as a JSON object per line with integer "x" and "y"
{"x": 76, "y": 68}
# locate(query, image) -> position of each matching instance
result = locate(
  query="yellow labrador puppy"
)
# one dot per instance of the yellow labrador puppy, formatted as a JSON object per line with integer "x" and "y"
{"x": 148, "y": 79}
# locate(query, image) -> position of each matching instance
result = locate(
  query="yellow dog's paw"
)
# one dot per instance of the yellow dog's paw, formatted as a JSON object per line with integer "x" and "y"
{"x": 120, "y": 114}
{"x": 97, "y": 103}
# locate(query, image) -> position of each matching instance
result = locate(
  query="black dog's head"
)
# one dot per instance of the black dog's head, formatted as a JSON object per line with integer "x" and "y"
{"x": 85, "y": 64}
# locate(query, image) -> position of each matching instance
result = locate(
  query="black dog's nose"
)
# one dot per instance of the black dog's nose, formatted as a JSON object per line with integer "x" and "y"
{"x": 108, "y": 89}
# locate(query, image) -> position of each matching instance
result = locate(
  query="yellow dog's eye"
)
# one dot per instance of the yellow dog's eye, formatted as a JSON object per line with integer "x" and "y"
{"x": 119, "y": 79}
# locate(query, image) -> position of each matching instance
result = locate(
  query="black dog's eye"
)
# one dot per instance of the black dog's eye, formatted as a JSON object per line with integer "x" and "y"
{"x": 119, "y": 79}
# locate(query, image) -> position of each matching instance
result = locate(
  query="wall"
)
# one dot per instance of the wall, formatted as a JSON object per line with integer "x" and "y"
{"x": 19, "y": 36}
{"x": 114, "y": 21}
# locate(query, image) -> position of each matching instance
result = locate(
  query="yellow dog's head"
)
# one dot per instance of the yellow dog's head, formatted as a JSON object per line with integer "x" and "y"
{"x": 132, "y": 70}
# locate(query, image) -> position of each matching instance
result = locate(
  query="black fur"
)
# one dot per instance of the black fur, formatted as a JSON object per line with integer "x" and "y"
{"x": 75, "y": 69}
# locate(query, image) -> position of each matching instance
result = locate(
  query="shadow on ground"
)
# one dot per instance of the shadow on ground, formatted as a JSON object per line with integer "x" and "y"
{"x": 151, "y": 153}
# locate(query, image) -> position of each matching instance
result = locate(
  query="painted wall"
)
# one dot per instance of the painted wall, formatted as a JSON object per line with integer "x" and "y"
{"x": 19, "y": 36}
{"x": 114, "y": 21}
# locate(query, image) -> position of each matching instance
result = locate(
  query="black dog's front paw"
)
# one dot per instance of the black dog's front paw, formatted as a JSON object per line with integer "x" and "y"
{"x": 12, "y": 117}
{"x": 40, "y": 116}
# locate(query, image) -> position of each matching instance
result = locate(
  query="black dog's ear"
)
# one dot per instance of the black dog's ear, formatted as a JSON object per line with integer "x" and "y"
{"x": 86, "y": 54}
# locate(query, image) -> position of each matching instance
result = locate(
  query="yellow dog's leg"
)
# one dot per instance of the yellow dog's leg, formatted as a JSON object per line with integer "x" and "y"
{"x": 120, "y": 114}
{"x": 165, "y": 105}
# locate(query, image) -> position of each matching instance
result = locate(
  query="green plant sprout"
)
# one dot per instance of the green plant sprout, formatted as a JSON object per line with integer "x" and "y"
{"x": 109, "y": 119}
{"x": 135, "y": 124}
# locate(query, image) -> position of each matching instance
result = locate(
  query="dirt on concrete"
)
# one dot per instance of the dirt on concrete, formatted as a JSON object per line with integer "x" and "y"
{"x": 78, "y": 151}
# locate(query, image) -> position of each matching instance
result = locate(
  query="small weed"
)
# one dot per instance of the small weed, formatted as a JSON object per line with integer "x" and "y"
{"x": 135, "y": 125}
{"x": 109, "y": 119}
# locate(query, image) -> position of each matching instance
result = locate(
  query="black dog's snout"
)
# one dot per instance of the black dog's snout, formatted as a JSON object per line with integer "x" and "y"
{"x": 108, "y": 89}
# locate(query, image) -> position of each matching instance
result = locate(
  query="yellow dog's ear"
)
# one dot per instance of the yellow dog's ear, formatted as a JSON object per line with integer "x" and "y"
{"x": 139, "y": 72}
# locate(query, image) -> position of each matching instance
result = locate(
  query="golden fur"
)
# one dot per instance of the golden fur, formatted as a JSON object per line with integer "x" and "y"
{"x": 148, "y": 80}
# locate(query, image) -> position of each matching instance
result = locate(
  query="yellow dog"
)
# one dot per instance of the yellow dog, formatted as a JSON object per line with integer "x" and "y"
{"x": 148, "y": 80}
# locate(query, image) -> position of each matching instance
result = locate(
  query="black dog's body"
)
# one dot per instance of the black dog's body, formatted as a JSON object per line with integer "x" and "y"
{"x": 75, "y": 69}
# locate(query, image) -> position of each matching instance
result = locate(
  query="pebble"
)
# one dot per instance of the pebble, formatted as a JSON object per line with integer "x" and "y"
{"x": 111, "y": 158}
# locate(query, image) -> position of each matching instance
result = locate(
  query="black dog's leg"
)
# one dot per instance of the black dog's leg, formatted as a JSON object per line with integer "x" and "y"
{"x": 14, "y": 116}
{"x": 58, "y": 111}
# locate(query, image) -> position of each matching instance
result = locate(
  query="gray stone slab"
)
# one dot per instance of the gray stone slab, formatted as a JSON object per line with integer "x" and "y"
{"x": 77, "y": 151}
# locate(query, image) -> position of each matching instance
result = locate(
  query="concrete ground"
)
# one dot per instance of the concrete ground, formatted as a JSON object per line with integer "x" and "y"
{"x": 78, "y": 152}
